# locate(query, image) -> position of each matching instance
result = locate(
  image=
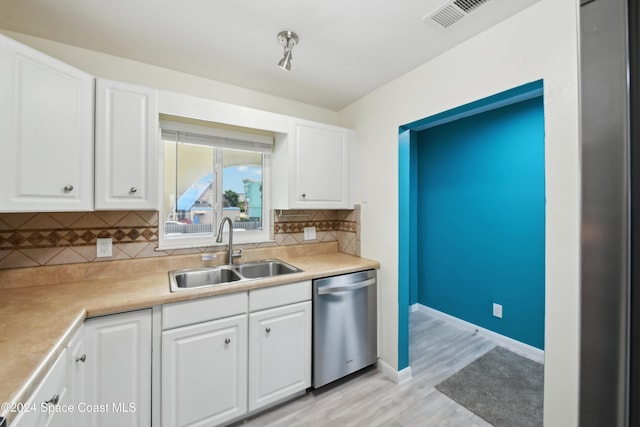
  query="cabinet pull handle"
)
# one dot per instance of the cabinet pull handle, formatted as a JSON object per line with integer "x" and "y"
{"x": 227, "y": 340}
{"x": 268, "y": 330}
{"x": 133, "y": 190}
{"x": 54, "y": 400}
{"x": 82, "y": 358}
{"x": 68, "y": 188}
{"x": 304, "y": 195}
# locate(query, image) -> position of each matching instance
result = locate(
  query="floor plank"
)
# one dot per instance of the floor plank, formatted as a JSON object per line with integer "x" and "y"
{"x": 368, "y": 399}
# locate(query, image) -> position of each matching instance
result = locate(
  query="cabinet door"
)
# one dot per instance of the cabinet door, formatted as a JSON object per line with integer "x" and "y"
{"x": 46, "y": 403}
{"x": 118, "y": 369}
{"x": 46, "y": 132}
{"x": 279, "y": 353}
{"x": 76, "y": 358}
{"x": 204, "y": 373}
{"x": 126, "y": 146}
{"x": 321, "y": 175}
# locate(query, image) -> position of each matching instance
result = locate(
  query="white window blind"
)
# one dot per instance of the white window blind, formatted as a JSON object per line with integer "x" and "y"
{"x": 201, "y": 135}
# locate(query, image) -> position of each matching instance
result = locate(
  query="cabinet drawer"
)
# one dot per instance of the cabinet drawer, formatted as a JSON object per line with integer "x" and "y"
{"x": 275, "y": 296}
{"x": 202, "y": 310}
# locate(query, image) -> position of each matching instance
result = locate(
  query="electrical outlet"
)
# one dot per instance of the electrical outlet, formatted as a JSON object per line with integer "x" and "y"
{"x": 309, "y": 233}
{"x": 497, "y": 310}
{"x": 103, "y": 247}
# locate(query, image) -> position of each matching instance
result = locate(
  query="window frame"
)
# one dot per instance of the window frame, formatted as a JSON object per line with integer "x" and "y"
{"x": 244, "y": 237}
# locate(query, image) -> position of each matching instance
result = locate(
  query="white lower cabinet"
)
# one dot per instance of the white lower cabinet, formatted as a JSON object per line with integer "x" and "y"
{"x": 43, "y": 407}
{"x": 56, "y": 400}
{"x": 226, "y": 356}
{"x": 76, "y": 358}
{"x": 204, "y": 372}
{"x": 204, "y": 361}
{"x": 118, "y": 370}
{"x": 279, "y": 353}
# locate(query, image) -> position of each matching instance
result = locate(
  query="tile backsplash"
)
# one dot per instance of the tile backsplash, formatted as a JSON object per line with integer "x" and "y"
{"x": 36, "y": 239}
{"x": 342, "y": 226}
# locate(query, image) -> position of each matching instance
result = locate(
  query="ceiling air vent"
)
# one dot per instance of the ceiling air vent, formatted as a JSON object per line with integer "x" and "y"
{"x": 469, "y": 5}
{"x": 453, "y": 11}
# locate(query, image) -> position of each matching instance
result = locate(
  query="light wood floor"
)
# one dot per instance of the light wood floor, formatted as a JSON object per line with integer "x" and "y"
{"x": 437, "y": 350}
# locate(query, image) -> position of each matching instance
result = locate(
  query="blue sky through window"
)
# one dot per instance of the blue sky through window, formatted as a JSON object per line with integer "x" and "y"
{"x": 232, "y": 177}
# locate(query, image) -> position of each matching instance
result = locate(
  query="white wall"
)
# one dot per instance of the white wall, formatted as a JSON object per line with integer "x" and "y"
{"x": 126, "y": 70}
{"x": 540, "y": 42}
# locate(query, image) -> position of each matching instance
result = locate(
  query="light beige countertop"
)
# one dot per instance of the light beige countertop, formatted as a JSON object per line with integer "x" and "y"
{"x": 43, "y": 307}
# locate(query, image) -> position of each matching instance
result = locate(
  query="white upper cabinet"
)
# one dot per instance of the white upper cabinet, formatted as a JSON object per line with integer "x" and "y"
{"x": 46, "y": 132}
{"x": 126, "y": 146}
{"x": 311, "y": 167}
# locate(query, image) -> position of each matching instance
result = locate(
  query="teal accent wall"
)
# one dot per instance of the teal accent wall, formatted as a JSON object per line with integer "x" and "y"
{"x": 408, "y": 247}
{"x": 409, "y": 219}
{"x": 480, "y": 215}
{"x": 405, "y": 251}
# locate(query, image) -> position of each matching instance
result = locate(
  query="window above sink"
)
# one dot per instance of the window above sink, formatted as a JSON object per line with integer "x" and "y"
{"x": 211, "y": 172}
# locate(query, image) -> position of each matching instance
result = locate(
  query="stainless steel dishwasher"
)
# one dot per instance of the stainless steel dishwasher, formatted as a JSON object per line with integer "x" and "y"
{"x": 344, "y": 325}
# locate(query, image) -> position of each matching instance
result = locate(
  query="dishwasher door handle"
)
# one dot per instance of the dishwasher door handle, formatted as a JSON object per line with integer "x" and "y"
{"x": 345, "y": 288}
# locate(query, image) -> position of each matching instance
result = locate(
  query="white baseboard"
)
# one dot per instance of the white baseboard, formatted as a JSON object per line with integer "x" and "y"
{"x": 397, "y": 377}
{"x": 517, "y": 347}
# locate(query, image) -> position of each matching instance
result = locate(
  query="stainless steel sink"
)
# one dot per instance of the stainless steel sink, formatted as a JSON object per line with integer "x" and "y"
{"x": 182, "y": 280}
{"x": 200, "y": 277}
{"x": 266, "y": 268}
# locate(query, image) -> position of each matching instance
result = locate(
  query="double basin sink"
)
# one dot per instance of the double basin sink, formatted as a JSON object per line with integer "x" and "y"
{"x": 195, "y": 278}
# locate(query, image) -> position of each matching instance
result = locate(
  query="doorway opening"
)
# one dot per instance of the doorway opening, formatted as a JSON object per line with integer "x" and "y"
{"x": 472, "y": 217}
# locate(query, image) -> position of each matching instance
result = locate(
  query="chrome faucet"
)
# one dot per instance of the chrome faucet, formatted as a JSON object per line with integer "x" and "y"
{"x": 219, "y": 239}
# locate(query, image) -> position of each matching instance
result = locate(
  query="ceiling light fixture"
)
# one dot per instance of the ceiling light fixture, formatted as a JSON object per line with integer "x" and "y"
{"x": 287, "y": 39}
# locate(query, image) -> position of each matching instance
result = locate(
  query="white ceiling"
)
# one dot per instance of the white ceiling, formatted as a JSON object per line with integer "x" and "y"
{"x": 347, "y": 48}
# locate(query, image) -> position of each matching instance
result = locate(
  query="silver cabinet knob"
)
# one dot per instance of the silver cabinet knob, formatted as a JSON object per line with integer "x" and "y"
{"x": 54, "y": 400}
{"x": 133, "y": 190}
{"x": 82, "y": 358}
{"x": 68, "y": 188}
{"x": 268, "y": 330}
{"x": 227, "y": 340}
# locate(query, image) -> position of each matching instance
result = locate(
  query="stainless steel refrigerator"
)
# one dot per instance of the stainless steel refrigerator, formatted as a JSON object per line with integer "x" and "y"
{"x": 610, "y": 263}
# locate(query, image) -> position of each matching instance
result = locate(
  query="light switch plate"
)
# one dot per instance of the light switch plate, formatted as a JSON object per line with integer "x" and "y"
{"x": 309, "y": 233}
{"x": 104, "y": 247}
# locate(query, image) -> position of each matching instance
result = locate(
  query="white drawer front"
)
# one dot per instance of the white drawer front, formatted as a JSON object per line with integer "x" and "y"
{"x": 203, "y": 309}
{"x": 275, "y": 296}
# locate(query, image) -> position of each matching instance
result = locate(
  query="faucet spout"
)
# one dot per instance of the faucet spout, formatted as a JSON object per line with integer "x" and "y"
{"x": 219, "y": 239}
